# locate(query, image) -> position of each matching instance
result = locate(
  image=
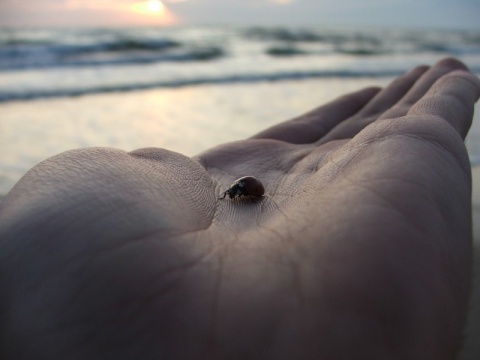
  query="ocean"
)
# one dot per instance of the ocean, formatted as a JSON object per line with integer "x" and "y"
{"x": 190, "y": 88}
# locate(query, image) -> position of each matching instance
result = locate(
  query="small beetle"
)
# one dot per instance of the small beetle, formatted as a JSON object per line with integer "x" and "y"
{"x": 245, "y": 186}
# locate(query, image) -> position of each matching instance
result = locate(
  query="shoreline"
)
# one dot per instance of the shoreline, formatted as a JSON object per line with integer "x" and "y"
{"x": 208, "y": 115}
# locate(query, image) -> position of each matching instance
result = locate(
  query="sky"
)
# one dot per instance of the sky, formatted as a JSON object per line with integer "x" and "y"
{"x": 457, "y": 14}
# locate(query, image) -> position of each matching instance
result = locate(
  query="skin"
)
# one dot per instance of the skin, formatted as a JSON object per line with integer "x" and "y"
{"x": 361, "y": 248}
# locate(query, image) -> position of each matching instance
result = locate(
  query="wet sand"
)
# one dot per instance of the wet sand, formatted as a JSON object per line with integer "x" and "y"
{"x": 471, "y": 346}
{"x": 187, "y": 120}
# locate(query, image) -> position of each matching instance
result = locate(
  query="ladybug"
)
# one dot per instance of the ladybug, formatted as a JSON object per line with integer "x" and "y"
{"x": 245, "y": 186}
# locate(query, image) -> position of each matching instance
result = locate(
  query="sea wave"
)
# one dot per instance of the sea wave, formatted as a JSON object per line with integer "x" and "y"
{"x": 51, "y": 63}
{"x": 194, "y": 81}
{"x": 25, "y": 50}
{"x": 123, "y": 52}
{"x": 24, "y": 94}
{"x": 362, "y": 42}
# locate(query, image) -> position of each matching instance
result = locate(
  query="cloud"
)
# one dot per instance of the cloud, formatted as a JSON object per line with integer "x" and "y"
{"x": 412, "y": 13}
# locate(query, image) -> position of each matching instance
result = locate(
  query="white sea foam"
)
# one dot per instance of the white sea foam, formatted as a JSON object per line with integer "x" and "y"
{"x": 189, "y": 106}
{"x": 52, "y": 63}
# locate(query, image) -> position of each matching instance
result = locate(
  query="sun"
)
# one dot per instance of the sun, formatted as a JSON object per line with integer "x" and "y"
{"x": 155, "y": 6}
{"x": 151, "y": 12}
{"x": 149, "y": 7}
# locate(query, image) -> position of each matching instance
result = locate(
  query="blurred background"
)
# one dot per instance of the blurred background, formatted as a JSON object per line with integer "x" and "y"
{"x": 190, "y": 74}
{"x": 187, "y": 75}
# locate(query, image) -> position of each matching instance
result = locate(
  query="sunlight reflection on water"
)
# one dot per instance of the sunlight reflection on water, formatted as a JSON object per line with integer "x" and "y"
{"x": 187, "y": 120}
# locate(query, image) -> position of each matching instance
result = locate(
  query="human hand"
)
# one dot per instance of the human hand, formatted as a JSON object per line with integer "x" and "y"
{"x": 360, "y": 247}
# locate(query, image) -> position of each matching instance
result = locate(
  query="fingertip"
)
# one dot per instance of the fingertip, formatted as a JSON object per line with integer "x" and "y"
{"x": 460, "y": 81}
{"x": 452, "y": 63}
{"x": 372, "y": 88}
{"x": 363, "y": 96}
{"x": 468, "y": 79}
{"x": 452, "y": 99}
{"x": 419, "y": 70}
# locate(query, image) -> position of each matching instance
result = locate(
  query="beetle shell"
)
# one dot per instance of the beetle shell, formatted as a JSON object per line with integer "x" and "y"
{"x": 245, "y": 186}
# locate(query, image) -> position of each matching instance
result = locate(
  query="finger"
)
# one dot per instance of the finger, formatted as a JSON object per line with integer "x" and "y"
{"x": 389, "y": 96}
{"x": 383, "y": 101}
{"x": 310, "y": 127}
{"x": 451, "y": 98}
{"x": 421, "y": 87}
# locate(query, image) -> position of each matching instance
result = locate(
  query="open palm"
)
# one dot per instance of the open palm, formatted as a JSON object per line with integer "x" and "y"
{"x": 360, "y": 247}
